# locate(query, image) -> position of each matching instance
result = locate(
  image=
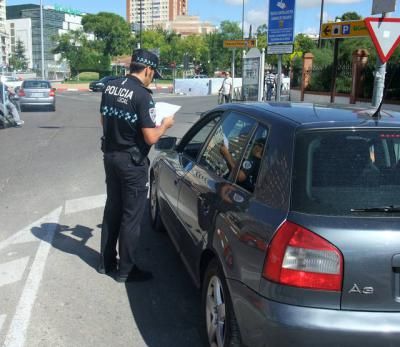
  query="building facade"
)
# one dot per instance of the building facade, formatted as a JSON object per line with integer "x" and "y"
{"x": 150, "y": 12}
{"x": 21, "y": 30}
{"x": 187, "y": 25}
{"x": 4, "y": 37}
{"x": 56, "y": 21}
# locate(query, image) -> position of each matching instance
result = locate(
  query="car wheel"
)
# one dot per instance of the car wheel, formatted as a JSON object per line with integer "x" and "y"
{"x": 154, "y": 209}
{"x": 221, "y": 328}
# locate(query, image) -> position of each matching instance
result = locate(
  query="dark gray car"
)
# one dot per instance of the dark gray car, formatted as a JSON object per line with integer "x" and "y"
{"x": 288, "y": 218}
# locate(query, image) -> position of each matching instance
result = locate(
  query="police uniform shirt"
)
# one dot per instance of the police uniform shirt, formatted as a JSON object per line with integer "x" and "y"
{"x": 127, "y": 106}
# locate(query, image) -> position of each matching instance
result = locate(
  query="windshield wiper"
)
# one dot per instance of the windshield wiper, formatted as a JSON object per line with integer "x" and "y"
{"x": 388, "y": 209}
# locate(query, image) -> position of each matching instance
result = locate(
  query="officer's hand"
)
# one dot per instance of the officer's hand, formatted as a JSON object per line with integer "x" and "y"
{"x": 168, "y": 122}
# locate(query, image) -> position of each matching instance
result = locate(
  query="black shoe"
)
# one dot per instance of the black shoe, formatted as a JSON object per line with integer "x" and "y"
{"x": 136, "y": 275}
{"x": 106, "y": 269}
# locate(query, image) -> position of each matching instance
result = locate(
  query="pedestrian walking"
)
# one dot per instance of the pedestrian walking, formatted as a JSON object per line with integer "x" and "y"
{"x": 128, "y": 117}
{"x": 226, "y": 87}
{"x": 269, "y": 84}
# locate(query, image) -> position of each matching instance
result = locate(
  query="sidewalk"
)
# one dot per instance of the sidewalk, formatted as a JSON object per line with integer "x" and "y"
{"x": 84, "y": 86}
{"x": 342, "y": 101}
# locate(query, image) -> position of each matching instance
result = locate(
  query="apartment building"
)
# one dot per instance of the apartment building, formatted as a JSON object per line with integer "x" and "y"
{"x": 56, "y": 21}
{"x": 152, "y": 12}
{"x": 21, "y": 30}
{"x": 4, "y": 37}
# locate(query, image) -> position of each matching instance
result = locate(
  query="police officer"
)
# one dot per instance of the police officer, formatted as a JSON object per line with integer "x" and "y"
{"x": 128, "y": 118}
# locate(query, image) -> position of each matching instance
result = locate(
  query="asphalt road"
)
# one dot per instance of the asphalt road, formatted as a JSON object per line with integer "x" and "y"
{"x": 52, "y": 195}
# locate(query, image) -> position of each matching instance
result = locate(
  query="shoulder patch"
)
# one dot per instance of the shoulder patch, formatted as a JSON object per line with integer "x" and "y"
{"x": 153, "y": 114}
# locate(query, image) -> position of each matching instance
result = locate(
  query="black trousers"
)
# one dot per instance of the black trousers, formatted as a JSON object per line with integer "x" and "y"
{"x": 127, "y": 185}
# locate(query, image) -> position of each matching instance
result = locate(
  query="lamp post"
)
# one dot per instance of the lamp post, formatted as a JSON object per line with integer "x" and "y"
{"x": 320, "y": 23}
{"x": 141, "y": 19}
{"x": 41, "y": 37}
{"x": 243, "y": 21}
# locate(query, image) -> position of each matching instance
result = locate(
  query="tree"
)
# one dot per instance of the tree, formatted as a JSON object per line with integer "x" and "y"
{"x": 303, "y": 43}
{"x": 261, "y": 35}
{"x": 349, "y": 16}
{"x": 18, "y": 60}
{"x": 113, "y": 34}
{"x": 81, "y": 53}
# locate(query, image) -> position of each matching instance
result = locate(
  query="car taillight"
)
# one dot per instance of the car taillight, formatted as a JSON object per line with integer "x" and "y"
{"x": 21, "y": 92}
{"x": 52, "y": 92}
{"x": 298, "y": 257}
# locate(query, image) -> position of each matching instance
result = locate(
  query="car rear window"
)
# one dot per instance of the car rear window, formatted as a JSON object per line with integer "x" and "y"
{"x": 337, "y": 171}
{"x": 36, "y": 84}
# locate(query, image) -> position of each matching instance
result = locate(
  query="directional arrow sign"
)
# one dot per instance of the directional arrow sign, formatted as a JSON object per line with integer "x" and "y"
{"x": 246, "y": 43}
{"x": 345, "y": 29}
{"x": 385, "y": 34}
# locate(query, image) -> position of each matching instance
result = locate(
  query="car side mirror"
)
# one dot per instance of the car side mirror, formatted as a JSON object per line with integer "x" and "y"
{"x": 167, "y": 143}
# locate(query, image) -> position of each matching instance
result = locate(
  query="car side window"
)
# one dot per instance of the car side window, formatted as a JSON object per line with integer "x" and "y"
{"x": 251, "y": 162}
{"x": 193, "y": 146}
{"x": 226, "y": 146}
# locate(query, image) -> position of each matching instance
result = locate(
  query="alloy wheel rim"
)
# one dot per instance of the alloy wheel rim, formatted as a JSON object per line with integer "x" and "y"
{"x": 215, "y": 313}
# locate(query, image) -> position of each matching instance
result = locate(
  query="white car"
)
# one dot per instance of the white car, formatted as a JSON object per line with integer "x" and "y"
{"x": 11, "y": 81}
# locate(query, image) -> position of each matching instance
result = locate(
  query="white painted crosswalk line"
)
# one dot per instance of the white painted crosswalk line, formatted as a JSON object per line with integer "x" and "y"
{"x": 16, "y": 335}
{"x": 22, "y": 236}
{"x": 2, "y": 319}
{"x": 12, "y": 271}
{"x": 84, "y": 204}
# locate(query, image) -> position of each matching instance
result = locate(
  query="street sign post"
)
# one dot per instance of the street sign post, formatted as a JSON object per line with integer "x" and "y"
{"x": 280, "y": 33}
{"x": 245, "y": 43}
{"x": 347, "y": 29}
{"x": 385, "y": 34}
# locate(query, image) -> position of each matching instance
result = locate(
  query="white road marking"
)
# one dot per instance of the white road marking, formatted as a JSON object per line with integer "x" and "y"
{"x": 23, "y": 236}
{"x": 12, "y": 271}
{"x": 84, "y": 204}
{"x": 16, "y": 335}
{"x": 2, "y": 319}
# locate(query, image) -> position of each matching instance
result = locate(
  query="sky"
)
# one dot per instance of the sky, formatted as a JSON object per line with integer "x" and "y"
{"x": 307, "y": 15}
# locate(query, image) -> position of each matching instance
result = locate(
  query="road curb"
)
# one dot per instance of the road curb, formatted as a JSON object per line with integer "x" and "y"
{"x": 73, "y": 89}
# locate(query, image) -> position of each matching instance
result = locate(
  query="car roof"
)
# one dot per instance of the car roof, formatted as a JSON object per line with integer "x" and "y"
{"x": 308, "y": 115}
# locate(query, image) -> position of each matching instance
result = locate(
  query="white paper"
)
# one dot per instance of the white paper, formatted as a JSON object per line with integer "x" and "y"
{"x": 164, "y": 109}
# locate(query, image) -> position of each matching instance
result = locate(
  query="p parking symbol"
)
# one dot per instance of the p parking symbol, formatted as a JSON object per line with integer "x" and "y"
{"x": 346, "y": 29}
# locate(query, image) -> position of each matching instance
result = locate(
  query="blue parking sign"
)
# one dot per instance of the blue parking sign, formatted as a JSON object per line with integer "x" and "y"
{"x": 281, "y": 21}
{"x": 346, "y": 29}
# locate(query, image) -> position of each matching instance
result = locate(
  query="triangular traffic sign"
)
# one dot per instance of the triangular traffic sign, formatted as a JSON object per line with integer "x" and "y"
{"x": 385, "y": 34}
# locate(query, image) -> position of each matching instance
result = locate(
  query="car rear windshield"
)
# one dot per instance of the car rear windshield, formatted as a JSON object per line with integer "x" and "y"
{"x": 36, "y": 84}
{"x": 336, "y": 172}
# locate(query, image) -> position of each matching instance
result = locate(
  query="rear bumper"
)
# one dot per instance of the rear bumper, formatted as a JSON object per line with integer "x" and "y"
{"x": 263, "y": 322}
{"x": 37, "y": 101}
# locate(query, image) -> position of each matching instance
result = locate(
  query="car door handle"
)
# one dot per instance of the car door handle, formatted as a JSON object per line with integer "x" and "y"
{"x": 204, "y": 206}
{"x": 396, "y": 261}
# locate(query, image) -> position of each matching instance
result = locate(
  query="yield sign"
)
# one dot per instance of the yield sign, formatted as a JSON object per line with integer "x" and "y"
{"x": 385, "y": 33}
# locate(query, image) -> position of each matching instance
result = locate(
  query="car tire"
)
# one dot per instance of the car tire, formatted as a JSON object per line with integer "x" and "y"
{"x": 219, "y": 321}
{"x": 154, "y": 208}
